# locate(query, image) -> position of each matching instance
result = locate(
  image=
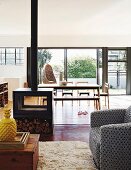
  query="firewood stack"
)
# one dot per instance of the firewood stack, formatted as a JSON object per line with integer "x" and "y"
{"x": 33, "y": 126}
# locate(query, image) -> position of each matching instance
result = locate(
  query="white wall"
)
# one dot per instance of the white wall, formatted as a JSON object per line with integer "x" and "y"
{"x": 13, "y": 74}
{"x": 15, "y": 40}
{"x": 13, "y": 84}
{"x": 12, "y": 71}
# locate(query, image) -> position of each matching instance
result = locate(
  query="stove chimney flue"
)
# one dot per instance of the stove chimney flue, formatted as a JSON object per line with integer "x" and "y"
{"x": 34, "y": 32}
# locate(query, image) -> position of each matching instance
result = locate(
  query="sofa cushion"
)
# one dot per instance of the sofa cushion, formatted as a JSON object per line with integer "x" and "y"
{"x": 127, "y": 117}
{"x": 94, "y": 142}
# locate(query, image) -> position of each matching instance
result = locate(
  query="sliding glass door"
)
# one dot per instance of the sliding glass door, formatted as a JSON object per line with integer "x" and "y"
{"x": 85, "y": 64}
{"x": 117, "y": 66}
{"x": 82, "y": 65}
{"x": 75, "y": 64}
{"x": 54, "y": 57}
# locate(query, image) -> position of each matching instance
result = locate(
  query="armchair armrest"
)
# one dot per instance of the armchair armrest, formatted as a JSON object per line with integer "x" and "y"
{"x": 104, "y": 117}
{"x": 115, "y": 146}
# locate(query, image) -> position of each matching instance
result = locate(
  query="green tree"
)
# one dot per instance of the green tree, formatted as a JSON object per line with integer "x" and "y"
{"x": 81, "y": 67}
{"x": 44, "y": 56}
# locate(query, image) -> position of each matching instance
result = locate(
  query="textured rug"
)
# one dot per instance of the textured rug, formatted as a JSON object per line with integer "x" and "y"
{"x": 65, "y": 155}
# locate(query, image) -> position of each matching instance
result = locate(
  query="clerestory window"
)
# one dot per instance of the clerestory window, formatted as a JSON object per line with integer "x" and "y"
{"x": 12, "y": 56}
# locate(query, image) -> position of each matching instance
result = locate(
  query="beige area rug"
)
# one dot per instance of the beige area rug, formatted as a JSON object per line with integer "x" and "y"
{"x": 65, "y": 155}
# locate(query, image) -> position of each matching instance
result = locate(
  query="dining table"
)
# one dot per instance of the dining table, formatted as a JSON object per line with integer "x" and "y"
{"x": 75, "y": 86}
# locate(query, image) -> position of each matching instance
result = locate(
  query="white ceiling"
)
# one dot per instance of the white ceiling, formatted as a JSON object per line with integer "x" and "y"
{"x": 85, "y": 17}
{"x": 67, "y": 17}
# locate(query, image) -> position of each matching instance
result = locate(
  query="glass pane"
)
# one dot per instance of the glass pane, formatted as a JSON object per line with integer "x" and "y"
{"x": 55, "y": 57}
{"x": 19, "y": 62}
{"x": 100, "y": 66}
{"x": 117, "y": 81}
{"x": 20, "y": 50}
{"x": 82, "y": 65}
{"x": 35, "y": 101}
{"x": 117, "y": 66}
{"x": 117, "y": 55}
{"x": 10, "y": 56}
{"x": 19, "y": 56}
{"x": 2, "y": 59}
{"x": 10, "y": 50}
{"x": 2, "y": 50}
{"x": 10, "y": 61}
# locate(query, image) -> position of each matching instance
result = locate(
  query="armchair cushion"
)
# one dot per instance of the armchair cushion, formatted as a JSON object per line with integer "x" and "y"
{"x": 115, "y": 146}
{"x": 127, "y": 117}
{"x": 110, "y": 116}
{"x": 95, "y": 144}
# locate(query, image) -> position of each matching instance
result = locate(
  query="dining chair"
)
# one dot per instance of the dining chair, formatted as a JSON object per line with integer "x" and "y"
{"x": 67, "y": 92}
{"x": 82, "y": 92}
{"x": 105, "y": 93}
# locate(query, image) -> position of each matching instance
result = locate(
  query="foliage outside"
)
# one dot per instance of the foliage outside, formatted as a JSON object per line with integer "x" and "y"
{"x": 58, "y": 68}
{"x": 77, "y": 67}
{"x": 81, "y": 67}
{"x": 44, "y": 56}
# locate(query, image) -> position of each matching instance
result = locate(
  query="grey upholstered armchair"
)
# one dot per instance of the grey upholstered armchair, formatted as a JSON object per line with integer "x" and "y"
{"x": 110, "y": 139}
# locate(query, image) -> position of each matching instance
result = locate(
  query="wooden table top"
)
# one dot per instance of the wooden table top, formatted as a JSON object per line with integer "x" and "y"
{"x": 70, "y": 86}
{"x": 30, "y": 147}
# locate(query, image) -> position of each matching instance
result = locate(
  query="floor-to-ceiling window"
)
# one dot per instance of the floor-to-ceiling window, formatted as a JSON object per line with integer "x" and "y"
{"x": 117, "y": 66}
{"x": 57, "y": 61}
{"x": 85, "y": 64}
{"x": 54, "y": 57}
{"x": 75, "y": 64}
{"x": 99, "y": 66}
{"x": 82, "y": 65}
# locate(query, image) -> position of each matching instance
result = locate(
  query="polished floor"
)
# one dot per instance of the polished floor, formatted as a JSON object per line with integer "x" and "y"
{"x": 72, "y": 122}
{"x": 79, "y": 113}
{"x": 68, "y": 125}
{"x": 68, "y": 133}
